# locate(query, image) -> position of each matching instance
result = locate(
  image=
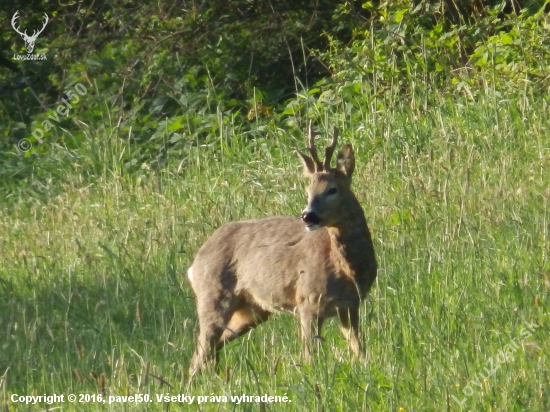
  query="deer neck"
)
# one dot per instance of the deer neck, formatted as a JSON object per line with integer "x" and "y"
{"x": 351, "y": 246}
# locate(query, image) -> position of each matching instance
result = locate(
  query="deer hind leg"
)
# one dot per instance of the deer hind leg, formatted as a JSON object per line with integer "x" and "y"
{"x": 213, "y": 314}
{"x": 311, "y": 323}
{"x": 350, "y": 329}
{"x": 244, "y": 318}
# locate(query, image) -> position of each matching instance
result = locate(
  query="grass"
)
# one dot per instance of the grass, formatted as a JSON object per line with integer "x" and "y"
{"x": 94, "y": 297}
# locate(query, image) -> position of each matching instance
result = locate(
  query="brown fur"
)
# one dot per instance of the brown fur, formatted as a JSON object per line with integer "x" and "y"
{"x": 249, "y": 269}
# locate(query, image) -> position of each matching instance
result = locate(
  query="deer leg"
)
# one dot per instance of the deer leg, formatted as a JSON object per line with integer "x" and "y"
{"x": 213, "y": 315}
{"x": 311, "y": 330}
{"x": 350, "y": 329}
{"x": 205, "y": 347}
{"x": 243, "y": 320}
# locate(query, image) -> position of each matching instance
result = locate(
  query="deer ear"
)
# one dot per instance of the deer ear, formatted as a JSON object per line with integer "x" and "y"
{"x": 309, "y": 166}
{"x": 346, "y": 160}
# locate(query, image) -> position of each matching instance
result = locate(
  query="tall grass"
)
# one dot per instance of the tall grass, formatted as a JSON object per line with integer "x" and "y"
{"x": 94, "y": 298}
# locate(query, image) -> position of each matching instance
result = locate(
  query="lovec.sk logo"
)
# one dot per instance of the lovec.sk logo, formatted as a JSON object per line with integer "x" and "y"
{"x": 29, "y": 40}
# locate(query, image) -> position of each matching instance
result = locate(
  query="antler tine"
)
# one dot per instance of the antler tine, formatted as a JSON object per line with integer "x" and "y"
{"x": 14, "y": 21}
{"x": 311, "y": 141}
{"x": 37, "y": 32}
{"x": 330, "y": 150}
{"x": 46, "y": 20}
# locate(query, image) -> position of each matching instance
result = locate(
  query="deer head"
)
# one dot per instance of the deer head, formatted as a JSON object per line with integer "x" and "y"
{"x": 29, "y": 40}
{"x": 329, "y": 190}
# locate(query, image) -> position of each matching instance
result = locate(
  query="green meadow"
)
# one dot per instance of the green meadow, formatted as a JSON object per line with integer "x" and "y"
{"x": 95, "y": 298}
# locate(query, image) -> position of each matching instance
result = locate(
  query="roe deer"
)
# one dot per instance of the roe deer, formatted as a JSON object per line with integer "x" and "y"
{"x": 318, "y": 267}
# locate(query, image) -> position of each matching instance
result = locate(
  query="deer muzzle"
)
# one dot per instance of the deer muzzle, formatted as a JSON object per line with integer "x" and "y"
{"x": 311, "y": 220}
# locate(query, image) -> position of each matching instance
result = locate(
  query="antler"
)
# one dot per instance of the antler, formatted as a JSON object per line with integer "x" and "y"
{"x": 36, "y": 33}
{"x": 14, "y": 20}
{"x": 311, "y": 141}
{"x": 329, "y": 151}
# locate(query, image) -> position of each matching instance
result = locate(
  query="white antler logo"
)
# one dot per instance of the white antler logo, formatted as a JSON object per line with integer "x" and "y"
{"x": 29, "y": 40}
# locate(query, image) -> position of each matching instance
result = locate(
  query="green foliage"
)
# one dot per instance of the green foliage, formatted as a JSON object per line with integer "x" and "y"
{"x": 402, "y": 49}
{"x": 151, "y": 65}
{"x": 165, "y": 77}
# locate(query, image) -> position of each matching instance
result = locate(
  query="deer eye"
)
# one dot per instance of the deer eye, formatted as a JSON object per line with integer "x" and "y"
{"x": 332, "y": 191}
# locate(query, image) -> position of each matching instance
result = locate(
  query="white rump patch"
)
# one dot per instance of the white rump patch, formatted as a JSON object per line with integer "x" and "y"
{"x": 190, "y": 274}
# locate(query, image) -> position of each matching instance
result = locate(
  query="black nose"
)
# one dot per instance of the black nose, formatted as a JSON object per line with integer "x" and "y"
{"x": 310, "y": 218}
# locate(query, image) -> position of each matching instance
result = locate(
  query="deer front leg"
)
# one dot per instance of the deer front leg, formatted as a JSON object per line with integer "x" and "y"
{"x": 311, "y": 330}
{"x": 350, "y": 329}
